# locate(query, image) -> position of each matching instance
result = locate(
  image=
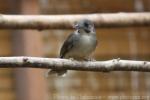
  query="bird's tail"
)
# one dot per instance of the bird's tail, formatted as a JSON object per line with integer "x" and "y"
{"x": 57, "y": 72}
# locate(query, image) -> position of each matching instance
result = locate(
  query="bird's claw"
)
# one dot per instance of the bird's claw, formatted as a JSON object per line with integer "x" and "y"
{"x": 89, "y": 59}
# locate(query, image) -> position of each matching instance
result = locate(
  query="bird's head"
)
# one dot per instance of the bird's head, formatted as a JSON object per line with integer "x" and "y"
{"x": 85, "y": 26}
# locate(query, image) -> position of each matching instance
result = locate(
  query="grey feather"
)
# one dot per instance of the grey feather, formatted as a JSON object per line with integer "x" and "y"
{"x": 68, "y": 44}
{"x": 78, "y": 45}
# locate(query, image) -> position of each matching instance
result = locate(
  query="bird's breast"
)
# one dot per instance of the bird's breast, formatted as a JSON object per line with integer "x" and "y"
{"x": 84, "y": 46}
{"x": 86, "y": 42}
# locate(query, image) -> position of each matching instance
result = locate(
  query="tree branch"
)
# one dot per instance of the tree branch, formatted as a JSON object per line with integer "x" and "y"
{"x": 57, "y": 63}
{"x": 66, "y": 21}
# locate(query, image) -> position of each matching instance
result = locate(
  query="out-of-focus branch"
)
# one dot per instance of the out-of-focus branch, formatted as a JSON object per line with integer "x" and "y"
{"x": 57, "y": 63}
{"x": 66, "y": 21}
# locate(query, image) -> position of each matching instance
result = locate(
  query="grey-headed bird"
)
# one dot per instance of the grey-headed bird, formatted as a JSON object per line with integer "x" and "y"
{"x": 79, "y": 45}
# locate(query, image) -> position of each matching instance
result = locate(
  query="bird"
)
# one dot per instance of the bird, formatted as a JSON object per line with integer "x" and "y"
{"x": 79, "y": 45}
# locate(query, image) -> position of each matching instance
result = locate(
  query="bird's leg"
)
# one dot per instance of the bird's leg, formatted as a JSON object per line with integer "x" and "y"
{"x": 72, "y": 59}
{"x": 89, "y": 59}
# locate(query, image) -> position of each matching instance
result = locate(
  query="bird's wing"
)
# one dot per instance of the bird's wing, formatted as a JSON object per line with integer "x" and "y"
{"x": 68, "y": 44}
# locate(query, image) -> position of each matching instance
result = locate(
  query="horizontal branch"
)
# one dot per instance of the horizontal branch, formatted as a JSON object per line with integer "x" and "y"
{"x": 66, "y": 21}
{"x": 57, "y": 63}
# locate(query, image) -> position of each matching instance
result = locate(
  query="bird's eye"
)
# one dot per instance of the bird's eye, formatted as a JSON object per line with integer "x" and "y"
{"x": 86, "y": 24}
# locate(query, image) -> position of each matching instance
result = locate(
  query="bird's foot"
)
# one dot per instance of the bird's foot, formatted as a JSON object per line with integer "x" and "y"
{"x": 89, "y": 59}
{"x": 72, "y": 59}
